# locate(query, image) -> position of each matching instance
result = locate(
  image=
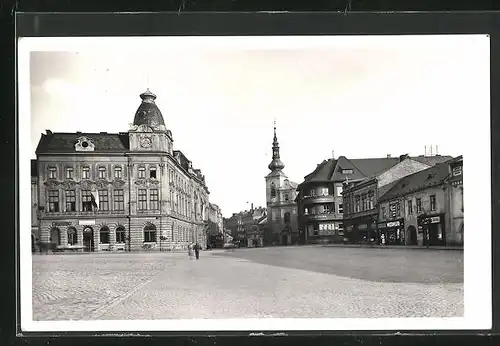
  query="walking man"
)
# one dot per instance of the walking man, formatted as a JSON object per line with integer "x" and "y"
{"x": 197, "y": 251}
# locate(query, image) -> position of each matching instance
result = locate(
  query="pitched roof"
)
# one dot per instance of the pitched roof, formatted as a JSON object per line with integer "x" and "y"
{"x": 331, "y": 170}
{"x": 60, "y": 142}
{"x": 429, "y": 177}
{"x": 432, "y": 160}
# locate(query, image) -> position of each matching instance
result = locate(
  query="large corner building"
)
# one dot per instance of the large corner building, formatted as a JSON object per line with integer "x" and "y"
{"x": 118, "y": 191}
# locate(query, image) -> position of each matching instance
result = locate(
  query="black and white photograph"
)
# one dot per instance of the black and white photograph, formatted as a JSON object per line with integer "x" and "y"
{"x": 255, "y": 183}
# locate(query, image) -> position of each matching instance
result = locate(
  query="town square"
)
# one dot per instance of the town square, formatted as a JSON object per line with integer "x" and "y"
{"x": 277, "y": 282}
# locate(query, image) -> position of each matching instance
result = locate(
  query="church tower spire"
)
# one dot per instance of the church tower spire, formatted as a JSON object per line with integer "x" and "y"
{"x": 276, "y": 164}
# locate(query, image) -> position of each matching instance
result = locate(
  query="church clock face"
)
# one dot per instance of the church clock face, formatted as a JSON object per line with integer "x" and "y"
{"x": 145, "y": 142}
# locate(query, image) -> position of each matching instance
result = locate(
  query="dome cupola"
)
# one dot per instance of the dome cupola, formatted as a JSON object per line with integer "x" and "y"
{"x": 148, "y": 112}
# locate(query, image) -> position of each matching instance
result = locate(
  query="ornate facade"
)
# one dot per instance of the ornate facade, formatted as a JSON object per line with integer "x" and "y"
{"x": 120, "y": 191}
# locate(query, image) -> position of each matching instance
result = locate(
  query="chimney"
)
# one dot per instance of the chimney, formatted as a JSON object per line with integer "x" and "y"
{"x": 425, "y": 150}
{"x": 437, "y": 151}
{"x": 251, "y": 207}
{"x": 48, "y": 132}
{"x": 333, "y": 154}
{"x": 403, "y": 157}
{"x": 431, "y": 151}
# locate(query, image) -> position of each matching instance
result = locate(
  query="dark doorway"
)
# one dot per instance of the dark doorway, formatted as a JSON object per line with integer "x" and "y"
{"x": 33, "y": 247}
{"x": 88, "y": 239}
{"x": 412, "y": 236}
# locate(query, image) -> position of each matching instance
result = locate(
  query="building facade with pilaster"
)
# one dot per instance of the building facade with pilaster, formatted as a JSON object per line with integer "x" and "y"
{"x": 123, "y": 191}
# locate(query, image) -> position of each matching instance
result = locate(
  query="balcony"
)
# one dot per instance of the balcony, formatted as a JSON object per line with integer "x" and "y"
{"x": 318, "y": 199}
{"x": 322, "y": 216}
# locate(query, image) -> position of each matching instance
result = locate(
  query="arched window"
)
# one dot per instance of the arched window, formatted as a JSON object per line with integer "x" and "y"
{"x": 287, "y": 217}
{"x": 273, "y": 190}
{"x": 150, "y": 233}
{"x": 104, "y": 235}
{"x": 120, "y": 234}
{"x": 72, "y": 240}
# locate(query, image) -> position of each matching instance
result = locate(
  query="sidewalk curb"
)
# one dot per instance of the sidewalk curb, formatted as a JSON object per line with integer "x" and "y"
{"x": 401, "y": 247}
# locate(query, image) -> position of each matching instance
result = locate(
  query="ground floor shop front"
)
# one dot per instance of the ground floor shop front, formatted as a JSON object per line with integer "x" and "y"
{"x": 120, "y": 234}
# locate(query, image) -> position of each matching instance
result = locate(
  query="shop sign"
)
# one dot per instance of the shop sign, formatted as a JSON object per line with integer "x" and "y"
{"x": 393, "y": 224}
{"x": 61, "y": 223}
{"x": 86, "y": 222}
{"x": 326, "y": 226}
{"x": 435, "y": 219}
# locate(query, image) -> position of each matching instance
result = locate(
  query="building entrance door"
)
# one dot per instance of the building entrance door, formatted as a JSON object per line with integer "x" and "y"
{"x": 33, "y": 247}
{"x": 412, "y": 235}
{"x": 88, "y": 239}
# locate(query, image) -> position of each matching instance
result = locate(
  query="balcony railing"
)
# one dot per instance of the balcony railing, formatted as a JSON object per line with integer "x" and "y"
{"x": 323, "y": 216}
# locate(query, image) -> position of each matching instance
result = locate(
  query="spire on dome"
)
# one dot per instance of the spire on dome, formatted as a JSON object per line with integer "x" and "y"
{"x": 276, "y": 164}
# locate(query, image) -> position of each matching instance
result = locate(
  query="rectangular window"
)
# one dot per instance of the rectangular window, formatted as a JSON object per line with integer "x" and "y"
{"x": 52, "y": 172}
{"x": 85, "y": 172}
{"x": 433, "y": 202}
{"x": 382, "y": 212}
{"x": 327, "y": 208}
{"x": 142, "y": 172}
{"x": 70, "y": 200}
{"x": 419, "y": 205}
{"x": 339, "y": 190}
{"x": 312, "y": 192}
{"x": 86, "y": 200}
{"x": 118, "y": 200}
{"x": 103, "y": 200}
{"x": 341, "y": 208}
{"x": 153, "y": 198}
{"x": 306, "y": 211}
{"x": 410, "y": 207}
{"x": 53, "y": 201}
{"x": 457, "y": 171}
{"x": 286, "y": 197}
{"x": 324, "y": 191}
{"x": 152, "y": 172}
{"x": 69, "y": 173}
{"x": 118, "y": 172}
{"x": 364, "y": 202}
{"x": 102, "y": 172}
{"x": 142, "y": 199}
{"x": 370, "y": 200}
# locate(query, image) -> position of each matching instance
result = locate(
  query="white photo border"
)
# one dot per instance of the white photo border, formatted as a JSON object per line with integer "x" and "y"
{"x": 477, "y": 246}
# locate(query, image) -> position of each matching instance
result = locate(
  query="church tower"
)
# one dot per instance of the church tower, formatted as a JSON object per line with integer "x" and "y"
{"x": 275, "y": 179}
{"x": 148, "y": 132}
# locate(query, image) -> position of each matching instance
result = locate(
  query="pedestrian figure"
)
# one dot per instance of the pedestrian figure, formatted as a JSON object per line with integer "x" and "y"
{"x": 191, "y": 251}
{"x": 382, "y": 239}
{"x": 197, "y": 250}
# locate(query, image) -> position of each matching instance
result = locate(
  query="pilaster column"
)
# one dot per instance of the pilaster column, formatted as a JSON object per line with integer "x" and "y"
{"x": 112, "y": 237}
{"x": 79, "y": 235}
{"x": 63, "y": 235}
{"x": 96, "y": 237}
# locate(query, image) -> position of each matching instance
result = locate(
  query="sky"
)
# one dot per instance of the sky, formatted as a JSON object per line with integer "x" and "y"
{"x": 357, "y": 97}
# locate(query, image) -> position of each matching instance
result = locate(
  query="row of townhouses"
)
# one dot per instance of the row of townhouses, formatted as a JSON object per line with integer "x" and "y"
{"x": 405, "y": 200}
{"x": 119, "y": 191}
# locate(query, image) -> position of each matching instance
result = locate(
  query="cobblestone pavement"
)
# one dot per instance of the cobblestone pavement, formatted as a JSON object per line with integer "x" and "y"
{"x": 267, "y": 282}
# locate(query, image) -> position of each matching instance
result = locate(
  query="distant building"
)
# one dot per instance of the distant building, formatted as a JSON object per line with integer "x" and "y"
{"x": 215, "y": 235}
{"x": 361, "y": 197}
{"x": 424, "y": 208}
{"x": 119, "y": 191}
{"x": 281, "y": 206}
{"x": 247, "y": 227}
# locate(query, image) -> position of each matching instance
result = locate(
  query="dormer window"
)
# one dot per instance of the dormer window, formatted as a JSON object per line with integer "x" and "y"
{"x": 52, "y": 172}
{"x": 85, "y": 172}
{"x": 152, "y": 172}
{"x": 102, "y": 172}
{"x": 347, "y": 171}
{"x": 142, "y": 172}
{"x": 84, "y": 144}
{"x": 69, "y": 172}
